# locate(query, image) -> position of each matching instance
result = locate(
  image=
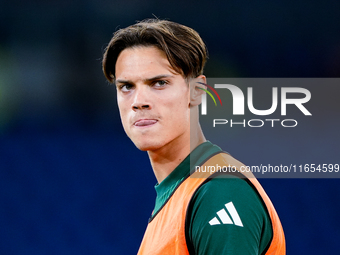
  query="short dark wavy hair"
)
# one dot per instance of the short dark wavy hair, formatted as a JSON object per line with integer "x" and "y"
{"x": 184, "y": 48}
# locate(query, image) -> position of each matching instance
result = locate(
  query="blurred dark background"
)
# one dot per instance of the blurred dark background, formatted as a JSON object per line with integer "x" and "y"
{"x": 71, "y": 182}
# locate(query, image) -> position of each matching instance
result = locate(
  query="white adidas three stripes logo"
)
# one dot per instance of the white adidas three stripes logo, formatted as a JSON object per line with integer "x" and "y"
{"x": 224, "y": 217}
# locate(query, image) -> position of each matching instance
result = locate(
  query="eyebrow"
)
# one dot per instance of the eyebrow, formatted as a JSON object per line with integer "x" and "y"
{"x": 157, "y": 77}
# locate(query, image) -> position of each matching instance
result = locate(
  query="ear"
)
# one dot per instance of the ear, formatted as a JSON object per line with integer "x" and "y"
{"x": 196, "y": 86}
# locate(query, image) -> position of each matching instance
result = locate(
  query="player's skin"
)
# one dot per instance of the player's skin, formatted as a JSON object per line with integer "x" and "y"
{"x": 156, "y": 105}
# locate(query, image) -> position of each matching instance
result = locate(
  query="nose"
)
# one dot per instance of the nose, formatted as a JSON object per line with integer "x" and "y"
{"x": 141, "y": 99}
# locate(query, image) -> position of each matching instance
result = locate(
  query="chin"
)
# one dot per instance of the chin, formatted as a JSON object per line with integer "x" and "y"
{"x": 148, "y": 145}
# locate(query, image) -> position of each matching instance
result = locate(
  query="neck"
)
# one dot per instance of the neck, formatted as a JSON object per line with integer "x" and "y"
{"x": 164, "y": 160}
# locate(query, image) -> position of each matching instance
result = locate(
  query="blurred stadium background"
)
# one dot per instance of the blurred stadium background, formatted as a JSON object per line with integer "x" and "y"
{"x": 71, "y": 182}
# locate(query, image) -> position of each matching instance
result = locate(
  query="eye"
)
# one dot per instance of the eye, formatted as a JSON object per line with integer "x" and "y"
{"x": 160, "y": 83}
{"x": 125, "y": 87}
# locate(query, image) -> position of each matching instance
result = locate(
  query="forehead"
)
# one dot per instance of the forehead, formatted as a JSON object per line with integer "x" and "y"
{"x": 142, "y": 62}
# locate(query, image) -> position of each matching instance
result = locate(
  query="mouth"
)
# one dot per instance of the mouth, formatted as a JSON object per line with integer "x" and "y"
{"x": 145, "y": 122}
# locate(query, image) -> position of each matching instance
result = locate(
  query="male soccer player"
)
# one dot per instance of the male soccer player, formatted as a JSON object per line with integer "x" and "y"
{"x": 157, "y": 66}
